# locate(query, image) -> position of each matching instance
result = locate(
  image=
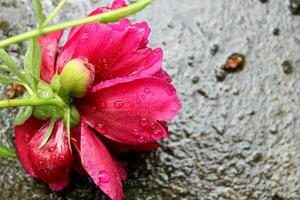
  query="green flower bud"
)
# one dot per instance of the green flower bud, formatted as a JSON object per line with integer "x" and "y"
{"x": 76, "y": 77}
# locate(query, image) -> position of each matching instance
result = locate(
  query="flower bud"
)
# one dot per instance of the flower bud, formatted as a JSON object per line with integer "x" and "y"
{"x": 76, "y": 77}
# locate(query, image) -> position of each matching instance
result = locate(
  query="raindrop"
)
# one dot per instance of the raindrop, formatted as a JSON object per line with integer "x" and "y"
{"x": 84, "y": 38}
{"x": 147, "y": 90}
{"x": 118, "y": 104}
{"x": 170, "y": 91}
{"x": 104, "y": 176}
{"x": 101, "y": 128}
{"x": 93, "y": 109}
{"x": 144, "y": 122}
{"x": 136, "y": 131}
{"x": 153, "y": 125}
{"x": 51, "y": 149}
{"x": 27, "y": 137}
{"x": 103, "y": 105}
{"x": 157, "y": 134}
{"x": 62, "y": 157}
{"x": 141, "y": 139}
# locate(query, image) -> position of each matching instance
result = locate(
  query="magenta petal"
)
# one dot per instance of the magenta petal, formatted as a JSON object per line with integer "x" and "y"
{"x": 23, "y": 135}
{"x": 49, "y": 49}
{"x": 52, "y": 162}
{"x": 128, "y": 112}
{"x": 99, "y": 164}
{"x": 116, "y": 50}
{"x": 56, "y": 187}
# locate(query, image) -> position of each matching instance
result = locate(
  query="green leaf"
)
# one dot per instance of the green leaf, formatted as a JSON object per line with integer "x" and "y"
{"x": 55, "y": 83}
{"x": 39, "y": 11}
{"x": 11, "y": 64}
{"x": 7, "y": 80}
{"x": 48, "y": 134}
{"x": 4, "y": 68}
{"x": 32, "y": 62}
{"x": 23, "y": 114}
{"x": 5, "y": 152}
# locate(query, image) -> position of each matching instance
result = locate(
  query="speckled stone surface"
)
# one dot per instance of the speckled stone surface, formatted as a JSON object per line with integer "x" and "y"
{"x": 234, "y": 139}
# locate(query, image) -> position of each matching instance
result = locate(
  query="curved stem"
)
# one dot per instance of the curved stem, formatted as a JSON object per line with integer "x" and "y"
{"x": 31, "y": 102}
{"x": 55, "y": 11}
{"x": 111, "y": 16}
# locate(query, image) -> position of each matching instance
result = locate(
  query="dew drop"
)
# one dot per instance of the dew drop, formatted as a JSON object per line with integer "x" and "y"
{"x": 104, "y": 176}
{"x": 170, "y": 91}
{"x": 51, "y": 149}
{"x": 118, "y": 104}
{"x": 147, "y": 90}
{"x": 84, "y": 38}
{"x": 136, "y": 131}
{"x": 61, "y": 157}
{"x": 93, "y": 109}
{"x": 156, "y": 134}
{"x": 141, "y": 140}
{"x": 103, "y": 105}
{"x": 153, "y": 125}
{"x": 27, "y": 138}
{"x": 144, "y": 122}
{"x": 101, "y": 128}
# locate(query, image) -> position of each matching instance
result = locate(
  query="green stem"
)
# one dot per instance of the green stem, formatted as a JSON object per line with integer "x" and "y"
{"x": 111, "y": 16}
{"x": 39, "y": 11}
{"x": 52, "y": 15}
{"x": 31, "y": 102}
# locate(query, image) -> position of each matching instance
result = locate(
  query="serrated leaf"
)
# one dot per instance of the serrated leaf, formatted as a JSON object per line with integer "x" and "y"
{"x": 11, "y": 64}
{"x": 5, "y": 152}
{"x": 32, "y": 62}
{"x": 23, "y": 114}
{"x": 48, "y": 134}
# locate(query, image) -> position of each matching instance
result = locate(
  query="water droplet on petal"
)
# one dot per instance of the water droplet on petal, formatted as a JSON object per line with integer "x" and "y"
{"x": 102, "y": 105}
{"x": 104, "y": 176}
{"x": 147, "y": 90}
{"x": 93, "y": 109}
{"x": 156, "y": 134}
{"x": 143, "y": 96}
{"x": 27, "y": 137}
{"x": 101, "y": 128}
{"x": 51, "y": 149}
{"x": 61, "y": 157}
{"x": 170, "y": 91}
{"x": 118, "y": 104}
{"x": 84, "y": 38}
{"x": 136, "y": 131}
{"x": 153, "y": 125}
{"x": 144, "y": 122}
{"x": 141, "y": 140}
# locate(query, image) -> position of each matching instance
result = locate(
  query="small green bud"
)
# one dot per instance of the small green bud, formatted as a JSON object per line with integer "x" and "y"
{"x": 76, "y": 77}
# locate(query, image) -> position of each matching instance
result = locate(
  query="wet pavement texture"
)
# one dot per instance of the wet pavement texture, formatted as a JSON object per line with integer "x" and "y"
{"x": 237, "y": 134}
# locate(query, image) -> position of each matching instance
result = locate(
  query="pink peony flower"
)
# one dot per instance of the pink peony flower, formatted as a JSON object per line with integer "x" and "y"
{"x": 125, "y": 108}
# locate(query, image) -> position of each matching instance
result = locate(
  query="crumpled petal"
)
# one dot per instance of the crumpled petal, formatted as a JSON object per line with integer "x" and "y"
{"x": 129, "y": 112}
{"x": 52, "y": 162}
{"x": 100, "y": 165}
{"x": 23, "y": 135}
{"x": 116, "y": 5}
{"x": 49, "y": 48}
{"x": 116, "y": 50}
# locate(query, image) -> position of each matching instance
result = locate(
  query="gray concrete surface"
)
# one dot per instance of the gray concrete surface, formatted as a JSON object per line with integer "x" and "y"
{"x": 234, "y": 139}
